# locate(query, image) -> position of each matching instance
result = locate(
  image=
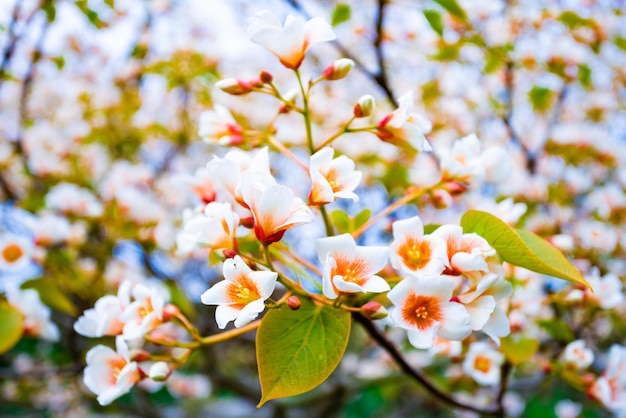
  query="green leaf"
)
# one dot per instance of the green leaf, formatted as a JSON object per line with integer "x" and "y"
{"x": 341, "y": 220}
{"x": 573, "y": 20}
{"x": 360, "y": 219}
{"x": 10, "y": 326}
{"x": 558, "y": 329}
{"x": 620, "y": 42}
{"x": 540, "y": 98}
{"x": 434, "y": 20}
{"x": 341, "y": 14}
{"x": 519, "y": 350}
{"x": 297, "y": 350}
{"x": 453, "y": 8}
{"x": 51, "y": 296}
{"x": 521, "y": 248}
{"x": 584, "y": 75}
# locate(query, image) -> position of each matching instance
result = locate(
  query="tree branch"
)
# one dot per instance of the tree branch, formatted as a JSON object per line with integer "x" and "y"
{"x": 416, "y": 374}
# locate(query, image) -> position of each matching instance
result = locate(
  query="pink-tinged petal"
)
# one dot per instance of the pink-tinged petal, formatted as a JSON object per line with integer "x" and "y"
{"x": 216, "y": 294}
{"x": 468, "y": 262}
{"x": 497, "y": 325}
{"x": 483, "y": 284}
{"x": 375, "y": 257}
{"x": 321, "y": 159}
{"x": 376, "y": 284}
{"x": 343, "y": 245}
{"x": 318, "y": 30}
{"x": 249, "y": 313}
{"x": 456, "y": 323}
{"x": 345, "y": 286}
{"x": 408, "y": 227}
{"x": 122, "y": 347}
{"x": 100, "y": 354}
{"x": 423, "y": 339}
{"x": 224, "y": 314}
{"x": 327, "y": 285}
{"x": 480, "y": 310}
{"x": 346, "y": 195}
{"x": 449, "y": 232}
{"x": 321, "y": 192}
{"x": 265, "y": 282}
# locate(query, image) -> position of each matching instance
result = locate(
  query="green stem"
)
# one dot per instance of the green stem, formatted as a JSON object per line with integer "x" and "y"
{"x": 305, "y": 113}
{"x": 330, "y": 231}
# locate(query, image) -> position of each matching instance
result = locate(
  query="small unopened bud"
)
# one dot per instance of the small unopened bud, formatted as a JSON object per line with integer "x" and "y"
{"x": 374, "y": 310}
{"x": 139, "y": 355}
{"x": 159, "y": 371}
{"x": 169, "y": 312}
{"x": 294, "y": 303}
{"x": 364, "y": 106}
{"x": 338, "y": 69}
{"x": 234, "y": 86}
{"x": 290, "y": 97}
{"x": 265, "y": 77}
{"x": 441, "y": 198}
{"x": 229, "y": 253}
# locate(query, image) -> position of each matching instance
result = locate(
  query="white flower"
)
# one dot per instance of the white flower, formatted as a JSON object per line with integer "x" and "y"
{"x": 463, "y": 163}
{"x": 349, "y": 268}
{"x": 289, "y": 42}
{"x": 482, "y": 363}
{"x": 16, "y": 252}
{"x": 332, "y": 178}
{"x": 36, "y": 322}
{"x": 275, "y": 208}
{"x": 103, "y": 319}
{"x": 423, "y": 308}
{"x": 215, "y": 228}
{"x": 241, "y": 295}
{"x": 414, "y": 252}
{"x": 607, "y": 290}
{"x": 577, "y": 355}
{"x": 219, "y": 126}
{"x": 110, "y": 374}
{"x": 403, "y": 126}
{"x": 467, "y": 253}
{"x": 610, "y": 387}
{"x": 72, "y": 199}
{"x": 145, "y": 312}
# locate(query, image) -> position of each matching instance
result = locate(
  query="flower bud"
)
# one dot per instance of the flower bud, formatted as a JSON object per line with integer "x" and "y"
{"x": 228, "y": 253}
{"x": 294, "y": 303}
{"x": 291, "y": 96}
{"x": 374, "y": 310}
{"x": 265, "y": 77}
{"x": 364, "y": 106}
{"x": 170, "y": 311}
{"x": 159, "y": 371}
{"x": 338, "y": 69}
{"x": 234, "y": 86}
{"x": 139, "y": 355}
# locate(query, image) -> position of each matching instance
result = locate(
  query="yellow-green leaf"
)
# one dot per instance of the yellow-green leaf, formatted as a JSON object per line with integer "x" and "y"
{"x": 341, "y": 14}
{"x": 519, "y": 350}
{"x": 434, "y": 20}
{"x": 453, "y": 8}
{"x": 10, "y": 326}
{"x": 297, "y": 350}
{"x": 521, "y": 248}
{"x": 51, "y": 296}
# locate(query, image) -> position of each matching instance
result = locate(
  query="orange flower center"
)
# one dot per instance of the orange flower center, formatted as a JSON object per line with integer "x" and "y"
{"x": 351, "y": 270}
{"x": 415, "y": 253}
{"x": 116, "y": 368}
{"x": 242, "y": 291}
{"x": 12, "y": 252}
{"x": 482, "y": 364}
{"x": 331, "y": 178}
{"x": 422, "y": 311}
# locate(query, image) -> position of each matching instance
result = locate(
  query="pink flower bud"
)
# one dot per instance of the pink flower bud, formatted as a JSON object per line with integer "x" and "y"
{"x": 338, "y": 69}
{"x": 234, "y": 86}
{"x": 364, "y": 106}
{"x": 374, "y": 310}
{"x": 294, "y": 303}
{"x": 266, "y": 77}
{"x": 170, "y": 311}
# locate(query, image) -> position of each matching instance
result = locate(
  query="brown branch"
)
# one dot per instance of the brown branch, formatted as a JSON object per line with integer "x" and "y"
{"x": 419, "y": 377}
{"x": 379, "y": 78}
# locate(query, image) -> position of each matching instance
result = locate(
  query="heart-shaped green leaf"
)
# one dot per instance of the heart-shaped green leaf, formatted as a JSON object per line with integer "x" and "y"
{"x": 10, "y": 326}
{"x": 521, "y": 248}
{"x": 297, "y": 350}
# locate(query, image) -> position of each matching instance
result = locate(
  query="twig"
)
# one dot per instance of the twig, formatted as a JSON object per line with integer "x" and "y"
{"x": 416, "y": 374}
{"x": 379, "y": 78}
